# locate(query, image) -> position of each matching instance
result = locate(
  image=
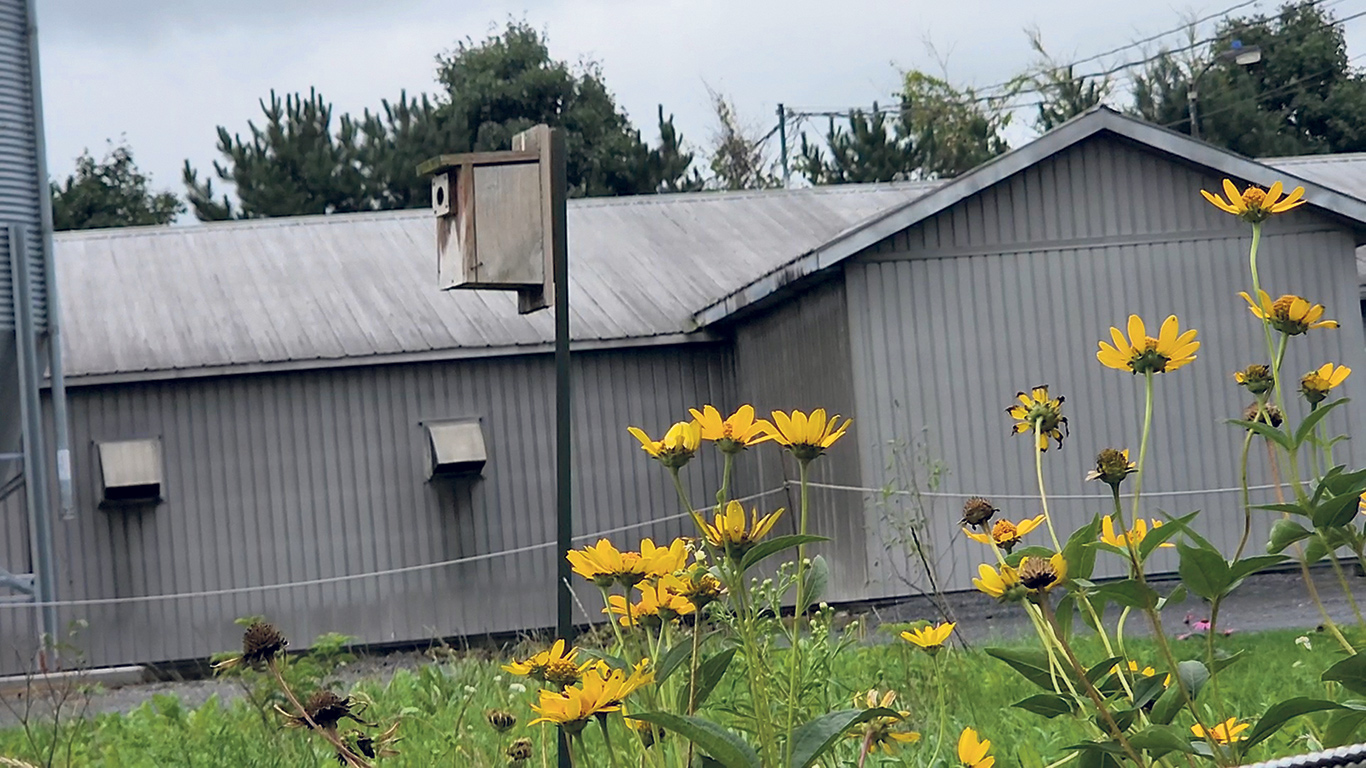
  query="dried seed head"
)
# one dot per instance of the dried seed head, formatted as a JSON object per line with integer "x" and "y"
{"x": 500, "y": 719}
{"x": 1112, "y": 466}
{"x": 519, "y": 751}
{"x": 326, "y": 709}
{"x": 977, "y": 511}
{"x": 1037, "y": 574}
{"x": 1266, "y": 413}
{"x": 262, "y": 642}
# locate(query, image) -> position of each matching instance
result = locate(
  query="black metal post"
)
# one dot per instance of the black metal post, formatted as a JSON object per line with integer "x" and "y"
{"x": 782, "y": 142}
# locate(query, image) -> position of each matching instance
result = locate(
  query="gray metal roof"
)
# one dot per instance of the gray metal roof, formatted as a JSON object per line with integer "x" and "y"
{"x": 319, "y": 290}
{"x": 1345, "y": 173}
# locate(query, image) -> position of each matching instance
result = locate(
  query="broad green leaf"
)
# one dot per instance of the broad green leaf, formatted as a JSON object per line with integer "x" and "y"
{"x": 1265, "y": 430}
{"x": 1049, "y": 705}
{"x": 709, "y": 673}
{"x": 1306, "y": 427}
{"x": 1193, "y": 674}
{"x": 1351, "y": 672}
{"x": 1159, "y": 535}
{"x": 1282, "y": 712}
{"x": 676, "y": 656}
{"x": 1177, "y": 595}
{"x": 814, "y": 583}
{"x": 1203, "y": 571}
{"x": 1342, "y": 728}
{"x": 1167, "y": 705}
{"x": 1284, "y": 533}
{"x": 1079, "y": 552}
{"x": 1147, "y": 689}
{"x": 1161, "y": 739}
{"x": 1030, "y": 663}
{"x": 1343, "y": 482}
{"x": 1225, "y": 661}
{"x": 1097, "y": 671}
{"x": 1250, "y": 565}
{"x": 773, "y": 546}
{"x": 1315, "y": 550}
{"x": 1131, "y": 593}
{"x": 814, "y": 738}
{"x": 1336, "y": 510}
{"x": 1294, "y": 509}
{"x": 721, "y": 745}
{"x": 1064, "y": 613}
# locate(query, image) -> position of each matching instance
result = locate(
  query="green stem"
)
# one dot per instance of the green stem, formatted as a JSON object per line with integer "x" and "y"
{"x": 723, "y": 495}
{"x": 612, "y": 618}
{"x": 607, "y": 740}
{"x": 793, "y": 692}
{"x": 1247, "y": 497}
{"x": 1143, "y": 441}
{"x": 1342, "y": 579}
{"x": 692, "y": 673}
{"x": 687, "y": 505}
{"x": 1038, "y": 473}
{"x": 939, "y": 729}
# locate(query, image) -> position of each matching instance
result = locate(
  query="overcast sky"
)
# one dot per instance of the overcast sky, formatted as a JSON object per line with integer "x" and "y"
{"x": 165, "y": 73}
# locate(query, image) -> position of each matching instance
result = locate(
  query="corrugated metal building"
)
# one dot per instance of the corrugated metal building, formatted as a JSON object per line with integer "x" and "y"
{"x": 288, "y": 369}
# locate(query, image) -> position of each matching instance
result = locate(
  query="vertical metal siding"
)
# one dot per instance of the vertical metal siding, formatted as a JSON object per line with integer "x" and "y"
{"x": 307, "y": 475}
{"x": 20, "y": 187}
{"x": 1015, "y": 286}
{"x": 797, "y": 356}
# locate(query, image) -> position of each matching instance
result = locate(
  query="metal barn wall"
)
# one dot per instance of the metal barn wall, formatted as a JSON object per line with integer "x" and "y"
{"x": 275, "y": 478}
{"x": 21, "y": 184}
{"x": 1015, "y": 286}
{"x": 797, "y": 356}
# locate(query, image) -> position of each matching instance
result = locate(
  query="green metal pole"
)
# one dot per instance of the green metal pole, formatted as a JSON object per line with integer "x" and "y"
{"x": 782, "y": 141}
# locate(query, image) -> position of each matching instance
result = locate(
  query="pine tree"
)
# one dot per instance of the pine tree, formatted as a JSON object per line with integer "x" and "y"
{"x": 868, "y": 150}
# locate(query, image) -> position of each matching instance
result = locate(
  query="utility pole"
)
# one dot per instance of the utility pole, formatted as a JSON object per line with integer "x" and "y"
{"x": 782, "y": 143}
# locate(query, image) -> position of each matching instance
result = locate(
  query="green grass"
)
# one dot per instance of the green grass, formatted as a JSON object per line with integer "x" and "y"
{"x": 442, "y": 709}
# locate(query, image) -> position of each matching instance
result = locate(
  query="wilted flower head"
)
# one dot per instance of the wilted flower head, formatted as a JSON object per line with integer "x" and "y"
{"x": 1266, "y": 413}
{"x": 1257, "y": 378}
{"x": 977, "y": 511}
{"x": 1040, "y": 575}
{"x": 1112, "y": 466}
{"x": 519, "y": 751}
{"x": 1289, "y": 314}
{"x": 1316, "y": 384}
{"x": 373, "y": 746}
{"x": 261, "y": 642}
{"x": 1255, "y": 205}
{"x": 1143, "y": 354}
{"x": 501, "y": 719}
{"x": 677, "y": 446}
{"x": 1036, "y": 411}
{"x": 325, "y": 709}
{"x": 700, "y": 587}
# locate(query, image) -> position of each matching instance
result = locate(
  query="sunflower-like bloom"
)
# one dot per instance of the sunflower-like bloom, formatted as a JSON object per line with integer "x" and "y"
{"x": 731, "y": 532}
{"x": 605, "y": 565}
{"x": 1289, "y": 314}
{"x": 807, "y": 437}
{"x": 1136, "y": 534}
{"x": 658, "y": 603}
{"x": 1141, "y": 353}
{"x": 554, "y": 661}
{"x": 1316, "y": 384}
{"x": 1257, "y": 378}
{"x": 1226, "y": 732}
{"x": 882, "y": 733}
{"x": 700, "y": 587}
{"x": 1036, "y": 410}
{"x": 929, "y": 638}
{"x": 735, "y": 433}
{"x": 662, "y": 561}
{"x": 1002, "y": 585}
{"x": 1040, "y": 575}
{"x": 676, "y": 448}
{"x": 1112, "y": 466}
{"x": 972, "y": 752}
{"x": 1255, "y": 205}
{"x": 1005, "y": 534}
{"x": 571, "y": 708}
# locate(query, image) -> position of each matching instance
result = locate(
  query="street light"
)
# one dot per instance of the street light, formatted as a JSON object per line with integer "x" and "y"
{"x": 1242, "y": 55}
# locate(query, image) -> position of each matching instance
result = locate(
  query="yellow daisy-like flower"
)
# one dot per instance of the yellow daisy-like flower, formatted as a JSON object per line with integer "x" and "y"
{"x": 1036, "y": 410}
{"x": 700, "y": 587}
{"x": 1255, "y": 205}
{"x": 662, "y": 561}
{"x": 972, "y": 752}
{"x": 1146, "y": 672}
{"x": 1136, "y": 533}
{"x": 1005, "y": 534}
{"x": 882, "y": 733}
{"x": 1289, "y": 314}
{"x": 930, "y": 638}
{"x": 731, "y": 532}
{"x": 1226, "y": 732}
{"x": 1256, "y": 378}
{"x": 734, "y": 433}
{"x": 1316, "y": 384}
{"x": 999, "y": 584}
{"x": 536, "y": 666}
{"x": 807, "y": 437}
{"x": 1141, "y": 353}
{"x": 1040, "y": 575}
{"x": 677, "y": 447}
{"x": 572, "y": 708}
{"x": 605, "y": 565}
{"x": 659, "y": 602}
{"x": 1112, "y": 466}
{"x": 1361, "y": 504}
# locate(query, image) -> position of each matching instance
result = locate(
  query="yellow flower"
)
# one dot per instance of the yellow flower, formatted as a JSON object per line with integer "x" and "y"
{"x": 1146, "y": 672}
{"x": 1289, "y": 314}
{"x": 604, "y": 565}
{"x": 1040, "y": 575}
{"x": 997, "y": 584}
{"x": 1141, "y": 353}
{"x": 1136, "y": 534}
{"x": 731, "y": 534}
{"x": 1361, "y": 504}
{"x": 929, "y": 639}
{"x": 1037, "y": 409}
{"x": 1112, "y": 466}
{"x": 1255, "y": 205}
{"x": 700, "y": 587}
{"x": 1315, "y": 384}
{"x": 676, "y": 448}
{"x": 662, "y": 561}
{"x": 555, "y": 659}
{"x": 658, "y": 603}
{"x": 1006, "y": 534}
{"x": 973, "y": 753}
{"x": 1226, "y": 732}
{"x": 1256, "y": 377}
{"x": 881, "y": 732}
{"x": 807, "y": 437}
{"x": 571, "y": 708}
{"x": 735, "y": 433}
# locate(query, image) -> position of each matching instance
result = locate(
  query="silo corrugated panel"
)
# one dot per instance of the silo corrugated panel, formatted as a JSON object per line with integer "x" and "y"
{"x": 20, "y": 188}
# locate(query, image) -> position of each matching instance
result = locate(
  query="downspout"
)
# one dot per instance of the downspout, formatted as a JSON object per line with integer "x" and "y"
{"x": 56, "y": 371}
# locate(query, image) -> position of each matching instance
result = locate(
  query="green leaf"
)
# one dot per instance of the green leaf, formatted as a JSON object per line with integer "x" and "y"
{"x": 721, "y": 745}
{"x": 1049, "y": 705}
{"x": 1167, "y": 705}
{"x": 1336, "y": 510}
{"x": 1161, "y": 739}
{"x": 1282, "y": 712}
{"x": 1158, "y": 535}
{"x": 709, "y": 673}
{"x": 1097, "y": 671}
{"x": 1351, "y": 672}
{"x": 1203, "y": 571}
{"x": 1306, "y": 427}
{"x": 1079, "y": 552}
{"x": 1177, "y": 595}
{"x": 1030, "y": 663}
{"x": 1224, "y": 662}
{"x": 1284, "y": 533}
{"x": 1265, "y": 430}
{"x": 1315, "y": 550}
{"x": 773, "y": 546}
{"x": 812, "y": 739}
{"x": 1193, "y": 674}
{"x": 676, "y": 656}
{"x": 615, "y": 662}
{"x": 1147, "y": 689}
{"x": 1342, "y": 728}
{"x": 1014, "y": 558}
{"x": 1294, "y": 509}
{"x": 1131, "y": 593}
{"x": 814, "y": 583}
{"x": 1250, "y": 565}
{"x": 1064, "y": 613}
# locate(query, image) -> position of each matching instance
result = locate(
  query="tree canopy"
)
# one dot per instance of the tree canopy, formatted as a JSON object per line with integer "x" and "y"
{"x": 111, "y": 192}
